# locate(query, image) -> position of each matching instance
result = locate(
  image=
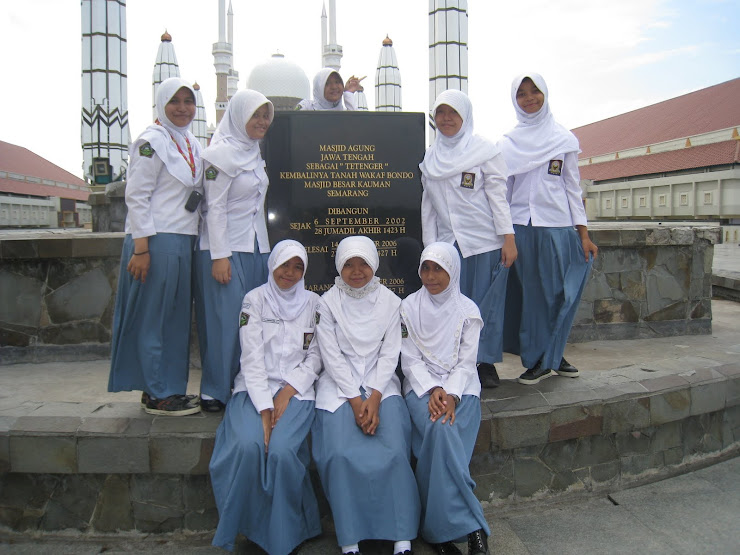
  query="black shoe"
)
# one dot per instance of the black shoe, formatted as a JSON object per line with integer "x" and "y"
{"x": 174, "y": 405}
{"x": 211, "y": 405}
{"x": 477, "y": 543}
{"x": 534, "y": 375}
{"x": 446, "y": 548}
{"x": 567, "y": 369}
{"x": 488, "y": 375}
{"x": 145, "y": 399}
{"x": 407, "y": 552}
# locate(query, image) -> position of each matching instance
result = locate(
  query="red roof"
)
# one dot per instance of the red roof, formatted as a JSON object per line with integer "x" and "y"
{"x": 714, "y": 154}
{"x": 710, "y": 109}
{"x": 19, "y": 160}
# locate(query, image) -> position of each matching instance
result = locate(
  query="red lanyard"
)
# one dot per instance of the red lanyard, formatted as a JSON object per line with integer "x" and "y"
{"x": 190, "y": 162}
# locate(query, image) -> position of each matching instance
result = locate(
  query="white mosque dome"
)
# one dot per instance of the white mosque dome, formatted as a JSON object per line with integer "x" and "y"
{"x": 279, "y": 78}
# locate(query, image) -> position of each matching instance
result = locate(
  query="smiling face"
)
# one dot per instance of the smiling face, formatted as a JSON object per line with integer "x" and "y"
{"x": 447, "y": 120}
{"x": 356, "y": 272}
{"x": 434, "y": 277}
{"x": 289, "y": 273}
{"x": 259, "y": 123}
{"x": 529, "y": 97}
{"x": 180, "y": 109}
{"x": 334, "y": 88}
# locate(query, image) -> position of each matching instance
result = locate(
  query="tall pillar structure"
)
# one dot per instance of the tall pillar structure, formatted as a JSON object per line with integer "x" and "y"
{"x": 331, "y": 52}
{"x": 222, "y": 61}
{"x": 232, "y": 81}
{"x": 165, "y": 66}
{"x": 104, "y": 131}
{"x": 448, "y": 47}
{"x": 199, "y": 126}
{"x": 387, "y": 80}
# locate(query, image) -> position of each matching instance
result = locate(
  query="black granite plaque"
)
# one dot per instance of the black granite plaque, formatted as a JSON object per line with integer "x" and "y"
{"x": 336, "y": 174}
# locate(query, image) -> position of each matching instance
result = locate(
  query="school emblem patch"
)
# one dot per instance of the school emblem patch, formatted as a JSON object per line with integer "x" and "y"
{"x": 404, "y": 331}
{"x": 307, "y": 338}
{"x": 243, "y": 319}
{"x": 316, "y": 318}
{"x": 211, "y": 173}
{"x": 146, "y": 150}
{"x": 468, "y": 180}
{"x": 555, "y": 167}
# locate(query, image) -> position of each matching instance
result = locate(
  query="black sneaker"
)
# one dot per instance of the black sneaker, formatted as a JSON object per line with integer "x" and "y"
{"x": 488, "y": 375}
{"x": 477, "y": 543}
{"x": 446, "y": 548}
{"x": 145, "y": 399}
{"x": 567, "y": 369}
{"x": 211, "y": 405}
{"x": 174, "y": 405}
{"x": 534, "y": 375}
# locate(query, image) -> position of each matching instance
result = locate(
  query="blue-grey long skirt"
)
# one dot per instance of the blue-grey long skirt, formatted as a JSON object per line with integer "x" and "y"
{"x": 483, "y": 279}
{"x": 151, "y": 322}
{"x": 269, "y": 499}
{"x": 217, "y": 308}
{"x": 449, "y": 508}
{"x": 368, "y": 479}
{"x": 549, "y": 275}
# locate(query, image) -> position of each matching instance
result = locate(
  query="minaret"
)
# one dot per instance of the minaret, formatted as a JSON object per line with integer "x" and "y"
{"x": 361, "y": 101}
{"x": 448, "y": 47}
{"x": 233, "y": 79}
{"x": 222, "y": 52}
{"x": 387, "y": 80}
{"x": 199, "y": 127}
{"x": 165, "y": 67}
{"x": 331, "y": 52}
{"x": 105, "y": 132}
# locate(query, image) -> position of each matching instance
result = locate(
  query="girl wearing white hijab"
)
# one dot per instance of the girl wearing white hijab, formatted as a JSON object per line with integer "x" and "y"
{"x": 259, "y": 467}
{"x": 329, "y": 92}
{"x": 233, "y": 245}
{"x": 555, "y": 251}
{"x": 438, "y": 355}
{"x": 151, "y": 326}
{"x": 464, "y": 203}
{"x": 361, "y": 435}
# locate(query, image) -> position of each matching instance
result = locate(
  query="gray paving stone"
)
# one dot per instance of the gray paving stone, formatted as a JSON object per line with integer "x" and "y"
{"x": 707, "y": 397}
{"x": 519, "y": 431}
{"x": 663, "y": 383}
{"x": 180, "y": 455}
{"x": 106, "y": 455}
{"x": 594, "y": 450}
{"x": 43, "y": 454}
{"x": 46, "y": 424}
{"x": 670, "y": 406}
{"x": 531, "y": 477}
{"x": 113, "y": 511}
{"x": 626, "y": 415}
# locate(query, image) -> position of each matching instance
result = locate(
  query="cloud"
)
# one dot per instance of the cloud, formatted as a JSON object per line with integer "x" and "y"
{"x": 649, "y": 58}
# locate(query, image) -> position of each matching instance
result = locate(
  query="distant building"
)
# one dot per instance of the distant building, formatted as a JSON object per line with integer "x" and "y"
{"x": 677, "y": 159}
{"x": 165, "y": 66}
{"x": 387, "y": 79}
{"x": 280, "y": 80}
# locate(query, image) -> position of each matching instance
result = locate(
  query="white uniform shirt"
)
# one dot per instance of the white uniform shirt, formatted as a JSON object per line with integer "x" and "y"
{"x": 475, "y": 215}
{"x": 155, "y": 199}
{"x": 423, "y": 375}
{"x": 345, "y": 371}
{"x": 235, "y": 213}
{"x": 548, "y": 196}
{"x": 276, "y": 352}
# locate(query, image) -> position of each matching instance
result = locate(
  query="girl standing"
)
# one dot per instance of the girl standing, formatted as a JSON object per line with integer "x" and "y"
{"x": 151, "y": 327}
{"x": 329, "y": 92}
{"x": 555, "y": 251}
{"x": 464, "y": 203}
{"x": 438, "y": 354}
{"x": 232, "y": 259}
{"x": 361, "y": 435}
{"x": 259, "y": 467}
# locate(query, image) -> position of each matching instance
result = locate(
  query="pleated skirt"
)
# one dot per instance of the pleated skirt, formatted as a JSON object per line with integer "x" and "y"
{"x": 269, "y": 499}
{"x": 449, "y": 508}
{"x": 483, "y": 279}
{"x": 151, "y": 322}
{"x": 368, "y": 480}
{"x": 217, "y": 308}
{"x": 543, "y": 294}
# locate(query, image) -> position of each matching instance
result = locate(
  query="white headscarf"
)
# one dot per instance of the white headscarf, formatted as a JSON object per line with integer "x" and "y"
{"x": 537, "y": 138}
{"x": 161, "y": 136}
{"x": 362, "y": 314}
{"x": 231, "y": 149}
{"x": 450, "y": 156}
{"x": 435, "y": 322}
{"x": 286, "y": 303}
{"x": 319, "y": 102}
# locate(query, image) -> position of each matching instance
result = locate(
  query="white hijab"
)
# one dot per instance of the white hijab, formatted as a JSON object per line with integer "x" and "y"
{"x": 362, "y": 314}
{"x": 319, "y": 102}
{"x": 537, "y": 138}
{"x": 434, "y": 322}
{"x": 231, "y": 150}
{"x": 286, "y": 303}
{"x": 450, "y": 156}
{"x": 161, "y": 136}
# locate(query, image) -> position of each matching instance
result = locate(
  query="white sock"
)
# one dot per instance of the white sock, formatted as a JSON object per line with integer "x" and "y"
{"x": 350, "y": 548}
{"x": 206, "y": 397}
{"x": 400, "y": 547}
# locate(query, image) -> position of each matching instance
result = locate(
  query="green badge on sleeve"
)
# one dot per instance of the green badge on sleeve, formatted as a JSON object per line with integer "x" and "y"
{"x": 211, "y": 173}
{"x": 243, "y": 319}
{"x": 317, "y": 317}
{"x": 146, "y": 150}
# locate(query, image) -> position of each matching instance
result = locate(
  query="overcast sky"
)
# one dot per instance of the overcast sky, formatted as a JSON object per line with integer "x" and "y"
{"x": 600, "y": 58}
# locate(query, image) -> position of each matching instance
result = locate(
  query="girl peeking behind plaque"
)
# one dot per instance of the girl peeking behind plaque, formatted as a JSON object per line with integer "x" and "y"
{"x": 232, "y": 258}
{"x": 259, "y": 467}
{"x": 330, "y": 92}
{"x": 439, "y": 347}
{"x": 151, "y": 323}
{"x": 555, "y": 251}
{"x": 464, "y": 204}
{"x": 362, "y": 431}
